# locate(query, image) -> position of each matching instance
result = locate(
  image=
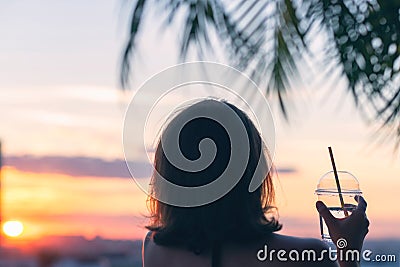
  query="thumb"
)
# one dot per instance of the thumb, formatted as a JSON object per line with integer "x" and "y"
{"x": 325, "y": 213}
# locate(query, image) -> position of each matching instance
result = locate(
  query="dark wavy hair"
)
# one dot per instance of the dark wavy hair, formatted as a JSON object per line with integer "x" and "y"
{"x": 239, "y": 216}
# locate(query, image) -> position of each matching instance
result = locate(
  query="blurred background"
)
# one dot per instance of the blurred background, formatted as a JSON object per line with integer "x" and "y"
{"x": 68, "y": 70}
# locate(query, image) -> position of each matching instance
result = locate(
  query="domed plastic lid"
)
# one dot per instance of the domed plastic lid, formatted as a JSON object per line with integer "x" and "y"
{"x": 348, "y": 183}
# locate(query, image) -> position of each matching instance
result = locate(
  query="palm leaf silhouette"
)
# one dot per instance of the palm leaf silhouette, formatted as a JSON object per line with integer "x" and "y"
{"x": 270, "y": 39}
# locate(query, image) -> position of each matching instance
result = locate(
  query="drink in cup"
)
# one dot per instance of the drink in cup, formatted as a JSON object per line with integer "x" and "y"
{"x": 327, "y": 192}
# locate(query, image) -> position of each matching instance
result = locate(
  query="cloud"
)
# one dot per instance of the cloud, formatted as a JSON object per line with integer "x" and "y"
{"x": 77, "y": 166}
{"x": 88, "y": 166}
{"x": 287, "y": 170}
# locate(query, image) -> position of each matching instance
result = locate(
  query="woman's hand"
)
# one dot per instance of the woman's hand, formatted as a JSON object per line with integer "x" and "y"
{"x": 353, "y": 228}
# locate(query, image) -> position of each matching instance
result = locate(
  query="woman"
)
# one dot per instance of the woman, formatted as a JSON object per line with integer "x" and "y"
{"x": 239, "y": 228}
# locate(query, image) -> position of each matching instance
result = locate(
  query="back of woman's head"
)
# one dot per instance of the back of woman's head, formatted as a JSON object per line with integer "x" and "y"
{"x": 237, "y": 216}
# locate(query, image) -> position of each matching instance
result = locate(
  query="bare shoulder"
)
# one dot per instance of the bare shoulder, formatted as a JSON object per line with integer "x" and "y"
{"x": 148, "y": 251}
{"x": 154, "y": 255}
{"x": 276, "y": 249}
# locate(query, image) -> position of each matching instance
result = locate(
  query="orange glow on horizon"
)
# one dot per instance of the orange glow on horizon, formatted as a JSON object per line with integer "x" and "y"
{"x": 115, "y": 208}
{"x": 55, "y": 204}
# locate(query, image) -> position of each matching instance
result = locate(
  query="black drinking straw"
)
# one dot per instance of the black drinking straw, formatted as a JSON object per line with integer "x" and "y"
{"x": 337, "y": 181}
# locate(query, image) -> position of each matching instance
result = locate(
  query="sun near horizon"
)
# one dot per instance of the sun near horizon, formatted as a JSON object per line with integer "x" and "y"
{"x": 13, "y": 228}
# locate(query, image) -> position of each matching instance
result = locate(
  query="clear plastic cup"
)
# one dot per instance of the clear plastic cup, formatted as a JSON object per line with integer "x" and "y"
{"x": 327, "y": 192}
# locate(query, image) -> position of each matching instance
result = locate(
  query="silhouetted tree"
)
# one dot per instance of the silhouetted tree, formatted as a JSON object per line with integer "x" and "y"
{"x": 271, "y": 39}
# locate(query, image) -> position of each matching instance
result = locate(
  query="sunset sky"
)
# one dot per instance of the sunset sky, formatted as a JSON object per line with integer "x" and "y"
{"x": 62, "y": 116}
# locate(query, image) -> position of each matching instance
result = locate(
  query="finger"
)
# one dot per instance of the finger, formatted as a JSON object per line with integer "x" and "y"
{"x": 367, "y": 223}
{"x": 325, "y": 213}
{"x": 362, "y": 204}
{"x": 366, "y": 226}
{"x": 366, "y": 231}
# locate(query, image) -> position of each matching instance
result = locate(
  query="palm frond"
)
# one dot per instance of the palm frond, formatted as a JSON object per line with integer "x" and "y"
{"x": 365, "y": 37}
{"x": 136, "y": 21}
{"x": 270, "y": 39}
{"x": 253, "y": 32}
